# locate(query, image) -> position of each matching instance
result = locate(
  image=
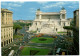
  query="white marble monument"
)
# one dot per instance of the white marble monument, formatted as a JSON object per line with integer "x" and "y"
{"x": 50, "y": 22}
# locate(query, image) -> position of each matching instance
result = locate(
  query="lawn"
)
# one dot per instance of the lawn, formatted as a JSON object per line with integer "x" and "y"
{"x": 61, "y": 32}
{"x": 42, "y": 40}
{"x": 34, "y": 51}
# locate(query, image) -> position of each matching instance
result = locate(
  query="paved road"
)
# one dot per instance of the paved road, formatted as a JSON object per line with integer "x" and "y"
{"x": 58, "y": 43}
{"x": 27, "y": 35}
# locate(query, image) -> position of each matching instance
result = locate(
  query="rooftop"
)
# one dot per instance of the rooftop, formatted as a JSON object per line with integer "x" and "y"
{"x": 5, "y": 10}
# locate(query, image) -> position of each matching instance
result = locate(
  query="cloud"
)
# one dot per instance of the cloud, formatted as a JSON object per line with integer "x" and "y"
{"x": 9, "y": 8}
{"x": 20, "y": 2}
{"x": 59, "y": 4}
{"x": 12, "y": 4}
{"x": 32, "y": 10}
{"x": 3, "y": 3}
{"x": 74, "y": 6}
{"x": 56, "y": 4}
{"x": 42, "y": 2}
{"x": 30, "y": 17}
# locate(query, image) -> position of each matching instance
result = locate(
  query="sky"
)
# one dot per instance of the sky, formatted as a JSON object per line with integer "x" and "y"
{"x": 27, "y": 10}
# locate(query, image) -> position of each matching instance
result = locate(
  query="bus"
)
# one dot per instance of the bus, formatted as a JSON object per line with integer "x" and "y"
{"x": 58, "y": 51}
{"x": 11, "y": 53}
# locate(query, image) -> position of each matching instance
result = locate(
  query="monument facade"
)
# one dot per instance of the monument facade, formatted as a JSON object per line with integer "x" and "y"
{"x": 50, "y": 22}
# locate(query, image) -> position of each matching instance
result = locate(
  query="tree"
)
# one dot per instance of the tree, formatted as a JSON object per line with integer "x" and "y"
{"x": 68, "y": 27}
{"x": 72, "y": 23}
{"x": 20, "y": 23}
{"x": 28, "y": 24}
{"x": 16, "y": 27}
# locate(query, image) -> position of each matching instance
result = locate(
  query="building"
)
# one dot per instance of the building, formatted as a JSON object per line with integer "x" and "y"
{"x": 76, "y": 31}
{"x": 76, "y": 18}
{"x": 6, "y": 27}
{"x": 14, "y": 21}
{"x": 21, "y": 21}
{"x": 50, "y": 22}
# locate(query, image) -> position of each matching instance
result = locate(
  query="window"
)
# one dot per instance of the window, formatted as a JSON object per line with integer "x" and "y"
{"x": 37, "y": 29}
{"x": 56, "y": 29}
{"x": 1, "y": 37}
{"x": 9, "y": 40}
{"x": 4, "y": 36}
{"x": 1, "y": 44}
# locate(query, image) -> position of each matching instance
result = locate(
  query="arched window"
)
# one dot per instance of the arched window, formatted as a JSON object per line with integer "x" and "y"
{"x": 56, "y": 29}
{"x": 1, "y": 44}
{"x": 9, "y": 40}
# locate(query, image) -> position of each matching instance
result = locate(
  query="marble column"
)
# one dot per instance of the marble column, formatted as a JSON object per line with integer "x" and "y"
{"x": 65, "y": 16}
{"x": 40, "y": 16}
{"x": 61, "y": 16}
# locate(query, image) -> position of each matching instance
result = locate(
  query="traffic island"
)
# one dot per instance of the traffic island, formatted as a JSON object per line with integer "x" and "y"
{"x": 34, "y": 51}
{"x": 43, "y": 40}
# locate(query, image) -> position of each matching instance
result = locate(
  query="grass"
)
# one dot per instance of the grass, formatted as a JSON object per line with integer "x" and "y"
{"x": 61, "y": 32}
{"x": 36, "y": 40}
{"x": 33, "y": 31}
{"x": 17, "y": 36}
{"x": 26, "y": 51}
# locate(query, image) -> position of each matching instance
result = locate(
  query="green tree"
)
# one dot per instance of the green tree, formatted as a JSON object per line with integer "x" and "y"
{"x": 20, "y": 23}
{"x": 72, "y": 23}
{"x": 28, "y": 24}
{"x": 16, "y": 27}
{"x": 68, "y": 27}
